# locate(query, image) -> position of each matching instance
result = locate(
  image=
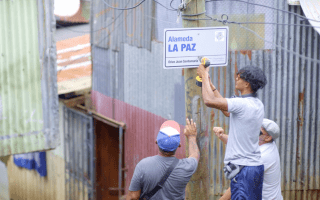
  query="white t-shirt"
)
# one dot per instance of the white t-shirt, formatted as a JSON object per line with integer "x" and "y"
{"x": 246, "y": 115}
{"x": 272, "y": 174}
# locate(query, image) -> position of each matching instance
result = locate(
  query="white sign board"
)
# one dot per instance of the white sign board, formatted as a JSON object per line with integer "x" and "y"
{"x": 183, "y": 46}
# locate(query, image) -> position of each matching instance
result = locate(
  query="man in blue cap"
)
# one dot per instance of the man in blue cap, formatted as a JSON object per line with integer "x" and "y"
{"x": 164, "y": 176}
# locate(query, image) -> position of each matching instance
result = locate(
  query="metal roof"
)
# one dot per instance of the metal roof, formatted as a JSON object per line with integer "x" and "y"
{"x": 74, "y": 64}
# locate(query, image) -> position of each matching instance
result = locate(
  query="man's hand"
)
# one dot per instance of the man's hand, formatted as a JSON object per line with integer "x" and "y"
{"x": 133, "y": 195}
{"x": 226, "y": 195}
{"x": 190, "y": 129}
{"x": 220, "y": 133}
{"x": 202, "y": 71}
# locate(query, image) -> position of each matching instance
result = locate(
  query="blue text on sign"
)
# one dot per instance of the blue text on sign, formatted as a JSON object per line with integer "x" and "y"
{"x": 184, "y": 47}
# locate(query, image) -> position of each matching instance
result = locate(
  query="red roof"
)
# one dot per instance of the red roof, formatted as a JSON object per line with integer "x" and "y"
{"x": 74, "y": 64}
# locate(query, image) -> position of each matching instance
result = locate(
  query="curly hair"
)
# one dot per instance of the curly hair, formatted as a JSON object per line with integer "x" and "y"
{"x": 254, "y": 76}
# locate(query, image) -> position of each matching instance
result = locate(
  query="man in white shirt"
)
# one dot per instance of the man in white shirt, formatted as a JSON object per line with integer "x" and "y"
{"x": 270, "y": 159}
{"x": 242, "y": 158}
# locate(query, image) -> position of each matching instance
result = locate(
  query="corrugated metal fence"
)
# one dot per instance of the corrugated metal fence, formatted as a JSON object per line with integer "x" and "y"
{"x": 79, "y": 154}
{"x": 291, "y": 99}
{"x": 288, "y": 54}
{"x": 28, "y": 102}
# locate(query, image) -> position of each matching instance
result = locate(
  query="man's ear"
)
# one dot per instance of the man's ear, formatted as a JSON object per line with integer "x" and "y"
{"x": 248, "y": 84}
{"x": 156, "y": 142}
{"x": 179, "y": 145}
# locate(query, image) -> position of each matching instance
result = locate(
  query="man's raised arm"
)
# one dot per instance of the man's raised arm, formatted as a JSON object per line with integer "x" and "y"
{"x": 190, "y": 132}
{"x": 211, "y": 98}
{"x": 217, "y": 94}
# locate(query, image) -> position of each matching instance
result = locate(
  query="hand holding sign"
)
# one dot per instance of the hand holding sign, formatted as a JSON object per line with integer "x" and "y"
{"x": 202, "y": 69}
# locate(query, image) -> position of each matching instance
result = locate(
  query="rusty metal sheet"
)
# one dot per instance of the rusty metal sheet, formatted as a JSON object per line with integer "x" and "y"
{"x": 291, "y": 97}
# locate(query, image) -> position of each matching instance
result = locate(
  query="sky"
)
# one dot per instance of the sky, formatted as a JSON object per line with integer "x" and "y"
{"x": 66, "y": 8}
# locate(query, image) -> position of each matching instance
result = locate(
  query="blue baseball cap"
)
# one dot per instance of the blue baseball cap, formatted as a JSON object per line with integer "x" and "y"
{"x": 168, "y": 138}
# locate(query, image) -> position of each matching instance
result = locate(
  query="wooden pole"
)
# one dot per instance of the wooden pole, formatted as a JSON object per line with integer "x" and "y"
{"x": 199, "y": 185}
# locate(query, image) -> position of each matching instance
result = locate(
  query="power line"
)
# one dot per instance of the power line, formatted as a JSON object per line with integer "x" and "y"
{"x": 94, "y": 30}
{"x": 266, "y": 7}
{"x": 173, "y": 9}
{"x": 171, "y": 5}
{"x": 120, "y": 23}
{"x": 166, "y": 7}
{"x": 175, "y": 23}
{"x": 100, "y": 40}
{"x": 124, "y": 8}
{"x": 284, "y": 24}
{"x": 226, "y": 21}
{"x": 290, "y": 51}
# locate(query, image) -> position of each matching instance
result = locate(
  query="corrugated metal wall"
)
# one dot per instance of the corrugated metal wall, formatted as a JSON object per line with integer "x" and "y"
{"x": 27, "y": 184}
{"x": 289, "y": 55}
{"x": 112, "y": 27}
{"x": 29, "y": 104}
{"x": 291, "y": 99}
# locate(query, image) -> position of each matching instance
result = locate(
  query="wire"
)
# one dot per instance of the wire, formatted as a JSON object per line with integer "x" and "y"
{"x": 171, "y": 5}
{"x": 124, "y": 8}
{"x": 302, "y": 56}
{"x": 194, "y": 14}
{"x": 305, "y": 25}
{"x": 100, "y": 40}
{"x": 166, "y": 7}
{"x": 112, "y": 30}
{"x": 234, "y": 22}
{"x": 175, "y": 23}
{"x": 93, "y": 30}
{"x": 190, "y": 19}
{"x": 267, "y": 7}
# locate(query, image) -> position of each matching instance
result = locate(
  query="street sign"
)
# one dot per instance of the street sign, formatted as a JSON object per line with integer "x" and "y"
{"x": 183, "y": 46}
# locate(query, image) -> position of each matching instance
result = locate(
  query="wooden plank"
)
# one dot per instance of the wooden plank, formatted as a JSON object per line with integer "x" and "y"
{"x": 100, "y": 117}
{"x": 74, "y": 101}
{"x": 74, "y": 85}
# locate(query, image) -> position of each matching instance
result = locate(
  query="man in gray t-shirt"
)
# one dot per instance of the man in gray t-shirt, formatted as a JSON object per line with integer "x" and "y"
{"x": 242, "y": 160}
{"x": 150, "y": 170}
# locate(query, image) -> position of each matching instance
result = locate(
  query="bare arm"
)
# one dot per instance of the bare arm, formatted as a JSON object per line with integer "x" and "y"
{"x": 133, "y": 195}
{"x": 209, "y": 97}
{"x": 226, "y": 195}
{"x": 220, "y": 133}
{"x": 190, "y": 132}
{"x": 217, "y": 94}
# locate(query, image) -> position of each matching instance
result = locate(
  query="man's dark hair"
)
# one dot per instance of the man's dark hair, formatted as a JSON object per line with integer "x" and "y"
{"x": 169, "y": 153}
{"x": 254, "y": 76}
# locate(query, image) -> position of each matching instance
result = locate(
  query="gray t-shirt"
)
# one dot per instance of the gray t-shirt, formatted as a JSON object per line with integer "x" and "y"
{"x": 246, "y": 115}
{"x": 150, "y": 170}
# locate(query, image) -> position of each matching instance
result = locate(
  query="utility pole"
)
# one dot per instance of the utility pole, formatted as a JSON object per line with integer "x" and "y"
{"x": 199, "y": 185}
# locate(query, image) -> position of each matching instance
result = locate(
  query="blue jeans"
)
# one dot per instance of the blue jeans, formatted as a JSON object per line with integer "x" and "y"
{"x": 247, "y": 184}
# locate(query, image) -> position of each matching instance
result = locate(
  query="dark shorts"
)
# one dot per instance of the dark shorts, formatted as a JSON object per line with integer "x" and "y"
{"x": 247, "y": 184}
